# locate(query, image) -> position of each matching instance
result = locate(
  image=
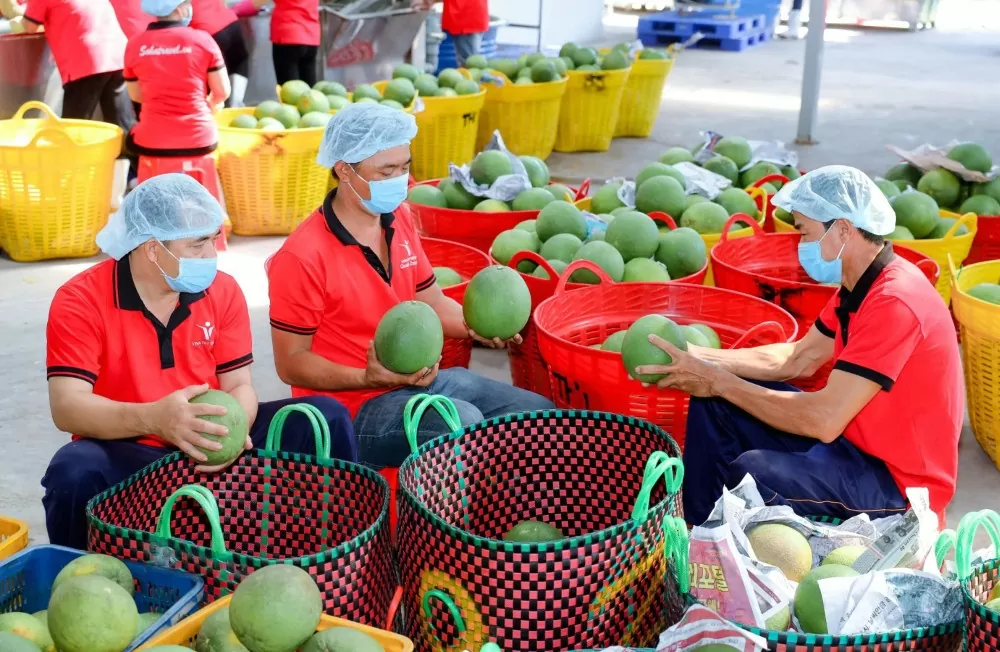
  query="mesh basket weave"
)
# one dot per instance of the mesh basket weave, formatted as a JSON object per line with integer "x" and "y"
{"x": 595, "y": 476}
{"x": 982, "y": 625}
{"x": 328, "y": 517}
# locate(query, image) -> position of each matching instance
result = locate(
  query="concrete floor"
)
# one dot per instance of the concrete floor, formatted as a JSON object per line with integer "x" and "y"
{"x": 878, "y": 88}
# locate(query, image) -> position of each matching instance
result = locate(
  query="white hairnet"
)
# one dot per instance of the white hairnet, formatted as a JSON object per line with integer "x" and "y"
{"x": 160, "y": 8}
{"x": 166, "y": 207}
{"x": 839, "y": 192}
{"x": 360, "y": 131}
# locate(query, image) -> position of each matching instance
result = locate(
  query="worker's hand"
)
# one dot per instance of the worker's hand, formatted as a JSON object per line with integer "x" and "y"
{"x": 686, "y": 373}
{"x": 177, "y": 422}
{"x": 201, "y": 468}
{"x": 377, "y": 375}
{"x": 494, "y": 343}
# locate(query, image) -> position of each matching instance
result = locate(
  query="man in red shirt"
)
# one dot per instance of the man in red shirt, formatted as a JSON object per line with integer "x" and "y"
{"x": 891, "y": 414}
{"x": 465, "y": 22}
{"x": 216, "y": 18}
{"x": 343, "y": 268}
{"x": 295, "y": 37}
{"x": 132, "y": 339}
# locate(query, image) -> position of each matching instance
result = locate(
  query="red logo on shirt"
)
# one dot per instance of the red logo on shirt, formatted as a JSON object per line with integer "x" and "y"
{"x": 155, "y": 50}
{"x": 353, "y": 52}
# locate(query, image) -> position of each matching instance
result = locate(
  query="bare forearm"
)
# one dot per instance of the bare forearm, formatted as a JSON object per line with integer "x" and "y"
{"x": 768, "y": 362}
{"x": 798, "y": 413}
{"x": 452, "y": 318}
{"x": 311, "y": 371}
{"x": 89, "y": 415}
{"x": 247, "y": 397}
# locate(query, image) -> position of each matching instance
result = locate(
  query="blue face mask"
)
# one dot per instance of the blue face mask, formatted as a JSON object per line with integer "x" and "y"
{"x": 818, "y": 268}
{"x": 193, "y": 274}
{"x": 387, "y": 194}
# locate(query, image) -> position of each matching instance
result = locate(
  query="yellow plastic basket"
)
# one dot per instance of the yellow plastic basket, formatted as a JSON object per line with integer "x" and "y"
{"x": 527, "y": 116}
{"x": 13, "y": 536}
{"x": 957, "y": 246}
{"x": 270, "y": 180}
{"x": 446, "y": 133}
{"x": 185, "y": 632}
{"x": 55, "y": 184}
{"x": 641, "y": 102}
{"x": 979, "y": 323}
{"x": 590, "y": 110}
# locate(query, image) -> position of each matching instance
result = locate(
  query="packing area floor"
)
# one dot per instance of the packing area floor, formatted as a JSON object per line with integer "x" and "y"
{"x": 878, "y": 88}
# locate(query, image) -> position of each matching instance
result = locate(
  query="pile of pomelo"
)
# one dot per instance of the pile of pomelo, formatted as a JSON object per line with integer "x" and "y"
{"x": 408, "y": 81}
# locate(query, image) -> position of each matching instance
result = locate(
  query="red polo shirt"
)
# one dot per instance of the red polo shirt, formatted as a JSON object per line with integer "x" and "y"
{"x": 325, "y": 284}
{"x": 894, "y": 329}
{"x": 465, "y": 16}
{"x": 171, "y": 63}
{"x": 130, "y": 17}
{"x": 100, "y": 331}
{"x": 211, "y": 16}
{"x": 295, "y": 22}
{"x": 84, "y": 35}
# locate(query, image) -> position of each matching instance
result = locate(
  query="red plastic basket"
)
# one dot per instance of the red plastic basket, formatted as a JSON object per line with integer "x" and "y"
{"x": 592, "y": 379}
{"x": 474, "y": 228}
{"x": 466, "y": 261}
{"x": 986, "y": 245}
{"x": 766, "y": 265}
{"x": 767, "y": 206}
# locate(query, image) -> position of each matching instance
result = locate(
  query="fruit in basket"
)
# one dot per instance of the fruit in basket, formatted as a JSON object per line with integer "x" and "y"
{"x": 406, "y": 71}
{"x": 584, "y": 57}
{"x": 695, "y": 336}
{"x": 446, "y": 277}
{"x": 663, "y": 194}
{"x": 456, "y": 196}
{"x": 275, "y": 608}
{"x": 790, "y": 172}
{"x": 533, "y": 532}
{"x": 342, "y": 639}
{"x": 400, "y": 90}
{"x": 538, "y": 172}
{"x": 560, "y": 217}
{"x": 392, "y": 104}
{"x": 990, "y": 188}
{"x": 449, "y": 77}
{"x": 568, "y": 49}
{"x": 288, "y": 116}
{"x": 426, "y": 85}
{"x": 658, "y": 169}
{"x": 490, "y": 165}
{"x": 615, "y": 60}
{"x": 809, "y": 609}
{"x": 972, "y": 156}
{"x": 366, "y": 91}
{"x": 989, "y": 292}
{"x": 633, "y": 234}
{"x": 980, "y": 205}
{"x": 604, "y": 256}
{"x": 244, "y": 122}
{"x": 492, "y": 206}
{"x": 645, "y": 270}
{"x": 267, "y": 109}
{"x": 783, "y": 215}
{"x": 736, "y": 149}
{"x": 509, "y": 242}
{"x": 723, "y": 166}
{"x": 675, "y": 154}
{"x": 709, "y": 333}
{"x": 427, "y": 195}
{"x": 176, "y": 648}
{"x": 558, "y": 266}
{"x": 844, "y": 555}
{"x": 335, "y": 88}
{"x": 917, "y": 212}
{"x": 942, "y": 227}
{"x": 904, "y": 172}
{"x": 532, "y": 199}
{"x": 683, "y": 251}
{"x": 235, "y": 420}
{"x": 527, "y": 225}
{"x": 782, "y": 546}
{"x": 560, "y": 65}
{"x": 993, "y": 605}
{"x": 614, "y": 342}
{"x": 758, "y": 171}
{"x": 560, "y": 191}
{"x": 91, "y": 613}
{"x": 561, "y": 246}
{"x": 311, "y": 101}
{"x": 768, "y": 188}
{"x": 888, "y": 188}
{"x": 995, "y": 593}
{"x": 737, "y": 200}
{"x": 497, "y": 303}
{"x": 476, "y": 61}
{"x": 27, "y": 627}
{"x": 314, "y": 120}
{"x": 444, "y": 91}
{"x": 638, "y": 351}
{"x": 466, "y": 87}
{"x": 705, "y": 218}
{"x": 942, "y": 186}
{"x": 292, "y": 91}
{"x": 14, "y": 643}
{"x": 653, "y": 53}
{"x": 102, "y": 565}
{"x": 544, "y": 71}
{"x": 217, "y": 635}
{"x": 42, "y": 616}
{"x": 900, "y": 233}
{"x": 606, "y": 199}
{"x": 269, "y": 124}
{"x": 507, "y": 66}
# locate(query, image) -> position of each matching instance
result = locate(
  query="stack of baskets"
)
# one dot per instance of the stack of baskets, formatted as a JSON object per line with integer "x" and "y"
{"x": 527, "y": 116}
{"x": 590, "y": 110}
{"x": 641, "y": 100}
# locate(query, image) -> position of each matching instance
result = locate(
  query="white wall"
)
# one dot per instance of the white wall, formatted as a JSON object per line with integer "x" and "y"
{"x": 562, "y": 20}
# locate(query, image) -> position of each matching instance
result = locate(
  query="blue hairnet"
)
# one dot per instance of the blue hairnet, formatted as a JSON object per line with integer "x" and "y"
{"x": 839, "y": 192}
{"x": 360, "y": 131}
{"x": 160, "y": 8}
{"x": 166, "y": 207}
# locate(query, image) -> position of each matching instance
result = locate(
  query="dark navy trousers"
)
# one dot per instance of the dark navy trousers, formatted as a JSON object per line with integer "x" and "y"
{"x": 84, "y": 468}
{"x": 725, "y": 443}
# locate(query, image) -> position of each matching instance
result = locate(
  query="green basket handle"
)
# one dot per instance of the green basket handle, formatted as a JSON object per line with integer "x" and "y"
{"x": 321, "y": 429}
{"x": 415, "y": 409}
{"x": 456, "y": 615}
{"x": 963, "y": 540}
{"x": 659, "y": 465}
{"x": 490, "y": 647}
{"x": 206, "y": 499}
{"x": 676, "y": 548}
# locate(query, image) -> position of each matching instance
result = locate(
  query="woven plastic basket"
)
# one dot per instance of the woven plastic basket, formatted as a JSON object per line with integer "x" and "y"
{"x": 586, "y": 378}
{"x": 447, "y": 128}
{"x": 13, "y": 536}
{"x": 957, "y": 246}
{"x": 982, "y": 625}
{"x": 527, "y": 116}
{"x": 590, "y": 110}
{"x": 641, "y": 101}
{"x": 466, "y": 261}
{"x": 986, "y": 245}
{"x": 979, "y": 324}
{"x": 328, "y": 517}
{"x": 597, "y": 477}
{"x": 270, "y": 179}
{"x": 55, "y": 184}
{"x": 26, "y": 585}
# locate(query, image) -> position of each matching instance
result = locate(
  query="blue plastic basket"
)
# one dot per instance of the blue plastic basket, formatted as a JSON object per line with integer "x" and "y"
{"x": 26, "y": 584}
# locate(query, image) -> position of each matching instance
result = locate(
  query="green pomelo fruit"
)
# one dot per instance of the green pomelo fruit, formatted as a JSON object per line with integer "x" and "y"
{"x": 634, "y": 235}
{"x": 560, "y": 67}
{"x": 691, "y": 200}
{"x": 105, "y": 565}
{"x": 560, "y": 217}
{"x": 758, "y": 171}
{"x": 400, "y": 90}
{"x": 91, "y": 613}
{"x": 980, "y": 205}
{"x": 596, "y": 235}
{"x": 523, "y": 81}
{"x": 614, "y": 342}
{"x": 267, "y": 109}
{"x": 406, "y": 71}
{"x": 662, "y": 194}
{"x": 622, "y": 47}
{"x": 14, "y": 643}
{"x": 544, "y": 71}
{"x": 638, "y": 351}
{"x": 917, "y": 212}
{"x": 780, "y": 621}
{"x": 782, "y": 546}
{"x": 533, "y": 199}
{"x": 654, "y": 54}
{"x": 705, "y": 218}
{"x": 393, "y": 104}
{"x": 456, "y": 196}
{"x": 682, "y": 251}
{"x": 657, "y": 169}
{"x": 888, "y": 188}
{"x": 179, "y": 648}
{"x": 446, "y": 277}
{"x": 903, "y": 184}
{"x": 942, "y": 227}
{"x": 337, "y": 102}
{"x": 989, "y": 292}
{"x": 269, "y": 124}
{"x": 709, "y": 333}
{"x": 808, "y": 601}
{"x": 614, "y": 60}
{"x": 527, "y": 225}
{"x": 509, "y": 242}
{"x": 533, "y": 532}
{"x": 335, "y": 88}
{"x": 694, "y": 336}
{"x": 489, "y": 166}
{"x": 409, "y": 338}
{"x": 466, "y": 87}
{"x": 972, "y": 156}
{"x": 675, "y": 155}
{"x": 538, "y": 172}
{"x": 568, "y": 62}
{"x": 584, "y": 57}
{"x": 769, "y": 187}
{"x": 42, "y": 616}
{"x": 558, "y": 266}
{"x": 497, "y": 303}
{"x": 561, "y": 192}
{"x": 606, "y": 199}
{"x": 275, "y": 608}
{"x": 723, "y": 166}
{"x": 790, "y": 173}
{"x": 244, "y": 122}
{"x": 427, "y": 195}
{"x": 492, "y": 206}
{"x": 736, "y": 200}
{"x": 942, "y": 186}
{"x": 314, "y": 120}
{"x": 476, "y": 61}
{"x": 604, "y": 256}
{"x": 995, "y": 593}
{"x": 620, "y": 210}
{"x": 588, "y": 68}
{"x": 366, "y": 91}
{"x": 312, "y": 101}
{"x": 292, "y": 91}
{"x": 645, "y": 270}
{"x": 900, "y": 233}
{"x": 561, "y": 246}
{"x": 507, "y": 66}
{"x": 366, "y": 100}
{"x": 736, "y": 149}
{"x": 449, "y": 77}
{"x": 783, "y": 215}
{"x": 993, "y": 605}
{"x": 426, "y": 85}
{"x": 990, "y": 188}
{"x": 342, "y": 639}
{"x": 844, "y": 555}
{"x": 288, "y": 116}
{"x": 476, "y": 74}
{"x": 217, "y": 635}
{"x": 27, "y": 627}
{"x": 568, "y": 49}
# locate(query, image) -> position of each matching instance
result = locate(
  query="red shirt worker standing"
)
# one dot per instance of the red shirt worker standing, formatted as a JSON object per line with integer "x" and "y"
{"x": 295, "y": 37}
{"x": 216, "y": 18}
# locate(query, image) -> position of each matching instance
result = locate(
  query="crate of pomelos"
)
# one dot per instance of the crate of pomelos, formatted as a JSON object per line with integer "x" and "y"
{"x": 593, "y": 99}
{"x": 644, "y": 89}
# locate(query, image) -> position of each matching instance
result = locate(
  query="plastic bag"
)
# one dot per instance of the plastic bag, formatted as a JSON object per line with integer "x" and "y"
{"x": 699, "y": 627}
{"x": 760, "y": 150}
{"x": 506, "y": 187}
{"x": 702, "y": 182}
{"x": 928, "y": 157}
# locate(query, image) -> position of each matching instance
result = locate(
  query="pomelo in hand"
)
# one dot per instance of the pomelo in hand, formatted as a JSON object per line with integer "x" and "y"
{"x": 638, "y": 351}
{"x": 409, "y": 338}
{"x": 235, "y": 420}
{"x": 497, "y": 303}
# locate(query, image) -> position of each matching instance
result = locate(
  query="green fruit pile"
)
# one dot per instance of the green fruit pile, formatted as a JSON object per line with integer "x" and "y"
{"x": 730, "y": 156}
{"x": 534, "y": 68}
{"x": 411, "y": 81}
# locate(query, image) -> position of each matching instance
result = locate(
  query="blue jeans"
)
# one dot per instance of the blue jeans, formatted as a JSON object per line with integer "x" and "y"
{"x": 725, "y": 443}
{"x": 379, "y": 424}
{"x": 84, "y": 468}
{"x": 466, "y": 45}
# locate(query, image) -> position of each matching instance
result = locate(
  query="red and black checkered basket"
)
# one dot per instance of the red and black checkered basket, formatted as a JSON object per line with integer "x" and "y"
{"x": 982, "y": 625}
{"x": 598, "y": 477}
{"x": 326, "y": 516}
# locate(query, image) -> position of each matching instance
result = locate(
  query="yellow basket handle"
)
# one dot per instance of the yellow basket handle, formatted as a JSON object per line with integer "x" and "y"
{"x": 960, "y": 221}
{"x": 57, "y": 135}
{"x": 35, "y": 104}
{"x": 954, "y": 270}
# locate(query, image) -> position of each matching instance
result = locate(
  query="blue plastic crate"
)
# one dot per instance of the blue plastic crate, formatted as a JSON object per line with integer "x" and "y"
{"x": 26, "y": 585}
{"x": 725, "y": 44}
{"x": 712, "y": 25}
{"x": 446, "y": 49}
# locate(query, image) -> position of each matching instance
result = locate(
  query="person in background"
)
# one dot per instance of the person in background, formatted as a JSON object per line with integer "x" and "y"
{"x": 132, "y": 339}
{"x": 131, "y": 17}
{"x": 465, "y": 21}
{"x": 295, "y": 37}
{"x": 216, "y": 18}
{"x": 794, "y": 30}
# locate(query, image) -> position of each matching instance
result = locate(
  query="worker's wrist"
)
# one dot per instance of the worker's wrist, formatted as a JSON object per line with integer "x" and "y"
{"x": 720, "y": 381}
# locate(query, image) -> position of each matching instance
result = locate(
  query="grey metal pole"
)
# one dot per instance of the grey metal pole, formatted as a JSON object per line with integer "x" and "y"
{"x": 811, "y": 72}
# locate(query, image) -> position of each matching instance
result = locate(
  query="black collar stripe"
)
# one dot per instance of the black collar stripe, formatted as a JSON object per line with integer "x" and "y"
{"x": 338, "y": 229}
{"x": 851, "y": 300}
{"x": 164, "y": 24}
